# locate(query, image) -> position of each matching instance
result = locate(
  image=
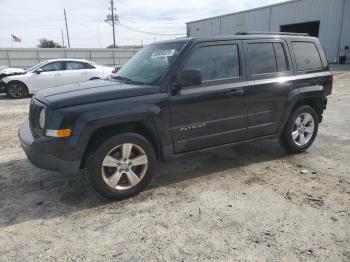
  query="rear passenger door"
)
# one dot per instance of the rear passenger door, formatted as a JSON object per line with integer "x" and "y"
{"x": 77, "y": 72}
{"x": 270, "y": 75}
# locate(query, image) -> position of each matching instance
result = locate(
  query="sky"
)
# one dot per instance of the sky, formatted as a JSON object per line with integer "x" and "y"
{"x": 31, "y": 20}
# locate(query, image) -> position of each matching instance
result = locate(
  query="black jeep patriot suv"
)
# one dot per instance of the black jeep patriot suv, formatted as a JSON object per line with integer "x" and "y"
{"x": 176, "y": 97}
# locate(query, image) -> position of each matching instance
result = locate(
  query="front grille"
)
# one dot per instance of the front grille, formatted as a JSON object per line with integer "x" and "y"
{"x": 34, "y": 112}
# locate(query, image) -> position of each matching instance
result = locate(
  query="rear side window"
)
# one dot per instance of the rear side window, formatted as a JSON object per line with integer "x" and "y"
{"x": 267, "y": 58}
{"x": 215, "y": 62}
{"x": 306, "y": 56}
{"x": 88, "y": 66}
{"x": 77, "y": 65}
{"x": 262, "y": 58}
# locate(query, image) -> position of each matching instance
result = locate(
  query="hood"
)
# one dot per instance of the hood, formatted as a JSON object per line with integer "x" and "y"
{"x": 91, "y": 92}
{"x": 12, "y": 71}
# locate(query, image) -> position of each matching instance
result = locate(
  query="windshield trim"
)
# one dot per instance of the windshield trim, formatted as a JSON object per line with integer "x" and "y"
{"x": 31, "y": 69}
{"x": 157, "y": 81}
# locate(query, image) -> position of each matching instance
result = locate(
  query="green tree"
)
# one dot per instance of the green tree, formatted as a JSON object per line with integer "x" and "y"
{"x": 46, "y": 43}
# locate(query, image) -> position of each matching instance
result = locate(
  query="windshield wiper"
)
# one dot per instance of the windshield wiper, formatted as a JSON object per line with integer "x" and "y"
{"x": 123, "y": 78}
{"x": 127, "y": 80}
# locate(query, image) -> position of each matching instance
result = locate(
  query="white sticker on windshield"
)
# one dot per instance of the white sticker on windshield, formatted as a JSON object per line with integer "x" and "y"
{"x": 163, "y": 53}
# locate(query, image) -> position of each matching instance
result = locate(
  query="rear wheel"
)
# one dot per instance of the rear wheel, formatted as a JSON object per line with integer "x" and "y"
{"x": 301, "y": 129}
{"x": 17, "y": 90}
{"x": 121, "y": 166}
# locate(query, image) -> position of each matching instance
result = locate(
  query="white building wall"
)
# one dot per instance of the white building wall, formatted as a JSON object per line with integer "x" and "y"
{"x": 325, "y": 11}
{"x": 334, "y": 32}
{"x": 250, "y": 21}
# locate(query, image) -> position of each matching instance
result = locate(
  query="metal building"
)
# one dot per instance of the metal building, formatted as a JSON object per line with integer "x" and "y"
{"x": 329, "y": 20}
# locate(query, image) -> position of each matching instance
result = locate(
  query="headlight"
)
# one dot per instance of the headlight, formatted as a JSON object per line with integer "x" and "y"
{"x": 42, "y": 119}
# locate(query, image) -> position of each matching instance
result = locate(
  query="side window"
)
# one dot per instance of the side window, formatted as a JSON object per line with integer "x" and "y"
{"x": 306, "y": 56}
{"x": 74, "y": 65}
{"x": 88, "y": 66}
{"x": 54, "y": 66}
{"x": 282, "y": 64}
{"x": 262, "y": 58}
{"x": 215, "y": 62}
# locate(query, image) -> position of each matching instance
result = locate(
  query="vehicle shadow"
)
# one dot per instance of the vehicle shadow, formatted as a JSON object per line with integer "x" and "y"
{"x": 28, "y": 193}
{"x": 4, "y": 96}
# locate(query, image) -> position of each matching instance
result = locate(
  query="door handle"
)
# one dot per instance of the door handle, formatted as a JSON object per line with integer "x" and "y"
{"x": 236, "y": 92}
{"x": 58, "y": 74}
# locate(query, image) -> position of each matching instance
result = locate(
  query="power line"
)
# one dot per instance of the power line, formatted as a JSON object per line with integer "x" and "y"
{"x": 147, "y": 32}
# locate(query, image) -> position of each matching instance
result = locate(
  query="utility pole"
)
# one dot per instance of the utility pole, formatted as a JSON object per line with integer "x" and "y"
{"x": 112, "y": 13}
{"x": 62, "y": 38}
{"x": 65, "y": 19}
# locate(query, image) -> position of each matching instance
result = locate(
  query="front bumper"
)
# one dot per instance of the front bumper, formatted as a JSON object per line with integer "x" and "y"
{"x": 2, "y": 86}
{"x": 43, "y": 152}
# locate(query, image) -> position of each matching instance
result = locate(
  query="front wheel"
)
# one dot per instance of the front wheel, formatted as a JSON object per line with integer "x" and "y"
{"x": 301, "y": 129}
{"x": 17, "y": 90}
{"x": 121, "y": 166}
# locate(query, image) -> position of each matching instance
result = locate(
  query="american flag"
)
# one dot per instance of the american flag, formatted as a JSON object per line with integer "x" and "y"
{"x": 16, "y": 39}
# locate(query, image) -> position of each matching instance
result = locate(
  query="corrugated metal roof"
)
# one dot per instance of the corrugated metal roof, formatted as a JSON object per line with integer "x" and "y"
{"x": 245, "y": 11}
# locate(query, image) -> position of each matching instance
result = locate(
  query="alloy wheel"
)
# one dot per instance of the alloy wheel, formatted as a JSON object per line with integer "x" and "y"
{"x": 303, "y": 129}
{"x": 16, "y": 91}
{"x": 124, "y": 166}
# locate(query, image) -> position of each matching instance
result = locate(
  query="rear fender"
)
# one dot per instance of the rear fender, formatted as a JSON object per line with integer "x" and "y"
{"x": 301, "y": 94}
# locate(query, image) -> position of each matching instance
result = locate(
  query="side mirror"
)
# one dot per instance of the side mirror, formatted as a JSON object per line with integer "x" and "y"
{"x": 39, "y": 70}
{"x": 190, "y": 77}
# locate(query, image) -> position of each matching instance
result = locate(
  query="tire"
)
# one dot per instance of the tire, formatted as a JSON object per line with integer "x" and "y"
{"x": 106, "y": 162}
{"x": 301, "y": 130}
{"x": 16, "y": 90}
{"x": 95, "y": 78}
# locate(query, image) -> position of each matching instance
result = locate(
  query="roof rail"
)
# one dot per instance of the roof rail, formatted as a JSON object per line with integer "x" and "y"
{"x": 270, "y": 33}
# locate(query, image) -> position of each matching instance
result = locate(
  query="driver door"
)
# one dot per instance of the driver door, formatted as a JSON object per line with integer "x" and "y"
{"x": 50, "y": 76}
{"x": 215, "y": 112}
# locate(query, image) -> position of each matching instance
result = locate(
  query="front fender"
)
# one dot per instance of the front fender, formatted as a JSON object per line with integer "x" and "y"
{"x": 18, "y": 78}
{"x": 87, "y": 119}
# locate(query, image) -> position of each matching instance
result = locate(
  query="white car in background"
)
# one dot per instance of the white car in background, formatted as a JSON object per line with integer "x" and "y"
{"x": 5, "y": 70}
{"x": 52, "y": 73}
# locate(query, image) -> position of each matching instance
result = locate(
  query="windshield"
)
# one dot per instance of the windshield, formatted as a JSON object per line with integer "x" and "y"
{"x": 36, "y": 66}
{"x": 149, "y": 64}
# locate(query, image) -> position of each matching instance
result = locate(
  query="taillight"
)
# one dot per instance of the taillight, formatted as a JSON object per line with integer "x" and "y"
{"x": 114, "y": 71}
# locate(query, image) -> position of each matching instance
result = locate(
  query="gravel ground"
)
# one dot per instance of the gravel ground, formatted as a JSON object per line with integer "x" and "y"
{"x": 248, "y": 203}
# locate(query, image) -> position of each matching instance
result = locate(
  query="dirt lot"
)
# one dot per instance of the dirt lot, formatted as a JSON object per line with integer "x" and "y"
{"x": 248, "y": 203}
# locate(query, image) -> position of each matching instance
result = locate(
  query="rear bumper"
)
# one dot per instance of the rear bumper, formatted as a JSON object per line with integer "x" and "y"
{"x": 42, "y": 152}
